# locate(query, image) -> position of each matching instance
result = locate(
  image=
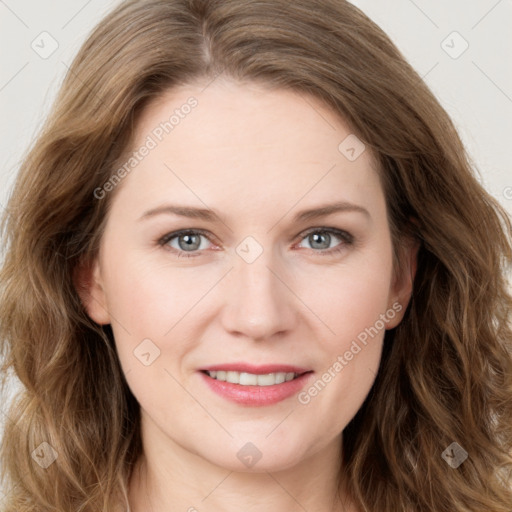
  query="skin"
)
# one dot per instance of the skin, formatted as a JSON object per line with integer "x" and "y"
{"x": 256, "y": 157}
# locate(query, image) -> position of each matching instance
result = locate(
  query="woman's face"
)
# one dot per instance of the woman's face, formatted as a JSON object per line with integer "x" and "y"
{"x": 284, "y": 267}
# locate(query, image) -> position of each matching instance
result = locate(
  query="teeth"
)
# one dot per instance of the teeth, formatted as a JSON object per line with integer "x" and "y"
{"x": 233, "y": 377}
{"x": 250, "y": 379}
{"x": 246, "y": 379}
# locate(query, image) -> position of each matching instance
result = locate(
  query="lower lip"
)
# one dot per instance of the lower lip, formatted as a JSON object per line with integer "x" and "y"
{"x": 256, "y": 395}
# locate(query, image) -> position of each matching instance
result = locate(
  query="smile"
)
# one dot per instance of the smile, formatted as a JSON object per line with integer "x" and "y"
{"x": 252, "y": 379}
{"x": 256, "y": 386}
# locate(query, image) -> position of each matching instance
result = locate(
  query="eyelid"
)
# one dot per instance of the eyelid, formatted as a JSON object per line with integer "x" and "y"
{"x": 341, "y": 233}
{"x": 195, "y": 231}
{"x": 347, "y": 238}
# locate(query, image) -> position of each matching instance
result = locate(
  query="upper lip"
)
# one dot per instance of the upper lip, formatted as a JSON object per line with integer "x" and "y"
{"x": 256, "y": 369}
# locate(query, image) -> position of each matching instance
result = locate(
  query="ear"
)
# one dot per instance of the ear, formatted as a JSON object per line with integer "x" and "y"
{"x": 89, "y": 286}
{"x": 403, "y": 281}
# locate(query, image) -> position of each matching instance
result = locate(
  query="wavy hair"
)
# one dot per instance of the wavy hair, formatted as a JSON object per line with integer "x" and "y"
{"x": 446, "y": 370}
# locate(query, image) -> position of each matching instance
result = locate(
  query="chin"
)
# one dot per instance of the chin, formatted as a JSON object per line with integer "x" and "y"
{"x": 258, "y": 456}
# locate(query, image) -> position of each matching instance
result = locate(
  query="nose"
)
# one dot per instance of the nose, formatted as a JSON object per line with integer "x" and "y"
{"x": 259, "y": 302}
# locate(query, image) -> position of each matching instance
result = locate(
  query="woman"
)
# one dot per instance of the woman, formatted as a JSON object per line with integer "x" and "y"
{"x": 185, "y": 344}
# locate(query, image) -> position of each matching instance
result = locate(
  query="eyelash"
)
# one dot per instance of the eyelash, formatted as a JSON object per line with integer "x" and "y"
{"x": 347, "y": 238}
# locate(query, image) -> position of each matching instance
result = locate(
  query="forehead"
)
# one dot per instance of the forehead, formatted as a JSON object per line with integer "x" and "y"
{"x": 234, "y": 142}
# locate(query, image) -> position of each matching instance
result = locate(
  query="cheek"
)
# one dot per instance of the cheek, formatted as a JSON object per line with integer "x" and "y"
{"x": 150, "y": 299}
{"x": 350, "y": 349}
{"x": 354, "y": 296}
{"x": 352, "y": 305}
{"x": 154, "y": 311}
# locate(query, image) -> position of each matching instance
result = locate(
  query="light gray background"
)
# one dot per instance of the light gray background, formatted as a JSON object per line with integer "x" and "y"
{"x": 475, "y": 88}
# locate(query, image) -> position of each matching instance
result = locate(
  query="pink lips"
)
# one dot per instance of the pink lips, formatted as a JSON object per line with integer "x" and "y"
{"x": 256, "y": 395}
{"x": 257, "y": 370}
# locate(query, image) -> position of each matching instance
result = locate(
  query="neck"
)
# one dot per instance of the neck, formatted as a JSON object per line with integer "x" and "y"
{"x": 175, "y": 479}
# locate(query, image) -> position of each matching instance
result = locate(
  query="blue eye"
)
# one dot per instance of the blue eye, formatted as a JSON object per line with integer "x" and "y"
{"x": 320, "y": 237}
{"x": 188, "y": 241}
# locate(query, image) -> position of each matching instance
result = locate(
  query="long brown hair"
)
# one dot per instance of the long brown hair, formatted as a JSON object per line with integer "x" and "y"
{"x": 446, "y": 370}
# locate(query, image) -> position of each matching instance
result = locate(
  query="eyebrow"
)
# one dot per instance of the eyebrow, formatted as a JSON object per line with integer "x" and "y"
{"x": 210, "y": 215}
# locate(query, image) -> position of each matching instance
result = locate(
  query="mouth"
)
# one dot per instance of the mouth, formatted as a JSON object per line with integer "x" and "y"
{"x": 255, "y": 386}
{"x": 253, "y": 379}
